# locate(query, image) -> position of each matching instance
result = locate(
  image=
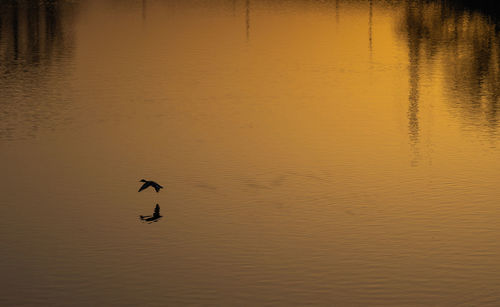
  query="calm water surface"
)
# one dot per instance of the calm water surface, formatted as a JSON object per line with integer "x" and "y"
{"x": 312, "y": 152}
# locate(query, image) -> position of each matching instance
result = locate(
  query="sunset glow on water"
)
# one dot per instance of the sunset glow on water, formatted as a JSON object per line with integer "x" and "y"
{"x": 333, "y": 153}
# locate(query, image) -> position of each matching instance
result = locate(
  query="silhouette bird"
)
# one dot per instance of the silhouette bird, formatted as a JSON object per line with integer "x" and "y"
{"x": 149, "y": 183}
{"x": 152, "y": 218}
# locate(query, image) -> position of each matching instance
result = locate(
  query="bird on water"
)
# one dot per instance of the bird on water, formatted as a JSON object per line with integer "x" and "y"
{"x": 150, "y": 183}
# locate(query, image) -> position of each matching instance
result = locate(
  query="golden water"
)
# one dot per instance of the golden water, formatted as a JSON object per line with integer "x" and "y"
{"x": 312, "y": 152}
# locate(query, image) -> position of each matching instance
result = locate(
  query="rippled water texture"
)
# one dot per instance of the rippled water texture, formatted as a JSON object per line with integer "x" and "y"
{"x": 311, "y": 152}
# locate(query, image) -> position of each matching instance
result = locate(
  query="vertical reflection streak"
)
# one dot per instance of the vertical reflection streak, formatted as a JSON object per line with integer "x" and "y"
{"x": 370, "y": 25}
{"x": 414, "y": 37}
{"x": 15, "y": 29}
{"x": 1, "y": 27}
{"x": 337, "y": 7}
{"x": 144, "y": 4}
{"x": 33, "y": 34}
{"x": 247, "y": 19}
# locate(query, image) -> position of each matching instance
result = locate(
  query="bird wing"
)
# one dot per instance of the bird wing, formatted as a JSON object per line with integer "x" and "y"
{"x": 145, "y": 186}
{"x": 157, "y": 187}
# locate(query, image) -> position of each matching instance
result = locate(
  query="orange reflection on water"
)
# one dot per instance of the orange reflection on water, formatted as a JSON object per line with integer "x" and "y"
{"x": 329, "y": 153}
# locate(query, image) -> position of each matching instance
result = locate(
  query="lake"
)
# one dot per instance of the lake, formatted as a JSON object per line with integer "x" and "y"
{"x": 311, "y": 152}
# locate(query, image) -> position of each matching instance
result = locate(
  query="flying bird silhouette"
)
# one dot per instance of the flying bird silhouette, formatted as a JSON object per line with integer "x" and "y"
{"x": 149, "y": 183}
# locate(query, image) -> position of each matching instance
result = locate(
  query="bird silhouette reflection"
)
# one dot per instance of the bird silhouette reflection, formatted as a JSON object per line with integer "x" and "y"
{"x": 152, "y": 218}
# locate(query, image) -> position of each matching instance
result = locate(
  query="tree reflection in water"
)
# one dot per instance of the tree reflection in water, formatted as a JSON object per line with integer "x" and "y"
{"x": 33, "y": 32}
{"x": 36, "y": 36}
{"x": 467, "y": 43}
{"x": 35, "y": 39}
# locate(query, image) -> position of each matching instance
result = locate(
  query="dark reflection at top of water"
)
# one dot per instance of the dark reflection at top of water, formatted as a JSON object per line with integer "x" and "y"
{"x": 34, "y": 33}
{"x": 414, "y": 34}
{"x": 35, "y": 39}
{"x": 467, "y": 43}
{"x": 490, "y": 8}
